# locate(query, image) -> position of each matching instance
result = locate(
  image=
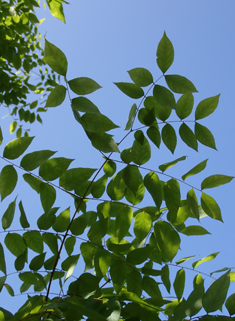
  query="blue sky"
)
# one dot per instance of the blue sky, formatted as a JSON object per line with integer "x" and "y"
{"x": 103, "y": 40}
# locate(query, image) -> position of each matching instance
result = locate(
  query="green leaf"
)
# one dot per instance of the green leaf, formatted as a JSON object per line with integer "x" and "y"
{"x": 79, "y": 224}
{"x": 160, "y": 111}
{"x": 88, "y": 251}
{"x": 169, "y": 137}
{"x": 56, "y": 96}
{"x": 154, "y": 187}
{"x": 205, "y": 259}
{"x": 62, "y": 221}
{"x": 34, "y": 241}
{"x": 2, "y": 260}
{"x": 55, "y": 58}
{"x": 193, "y": 203}
{"x": 102, "y": 261}
{"x": 9, "y": 290}
{"x": 141, "y": 76}
{"x": 84, "y": 105}
{"x": 56, "y": 9}
{"x": 98, "y": 230}
{"x": 109, "y": 168}
{"x": 172, "y": 195}
{"x": 118, "y": 273}
{"x": 196, "y": 169}
{"x": 194, "y": 230}
{"x": 98, "y": 187}
{"x": 69, "y": 262}
{"x": 28, "y": 277}
{"x": 47, "y": 196}
{"x": 165, "y": 276}
{"x": 230, "y": 304}
{"x": 33, "y": 160}
{"x": 37, "y": 262}
{"x": 165, "y": 166}
{"x": 17, "y": 147}
{"x": 180, "y": 84}
{"x": 179, "y": 283}
{"x": 188, "y": 137}
{"x": 53, "y": 168}
{"x": 8, "y": 216}
{"x": 184, "y": 106}
{"x": 206, "y": 107}
{"x": 15, "y": 244}
{"x": 204, "y": 136}
{"x": 51, "y": 242}
{"x": 131, "y": 90}
{"x": 147, "y": 117}
{"x": 168, "y": 240}
{"x": 103, "y": 142}
{"x": 139, "y": 255}
{"x": 2, "y": 282}
{"x": 142, "y": 225}
{"x": 210, "y": 207}
{"x": 151, "y": 287}
{"x": 164, "y": 97}
{"x": 97, "y": 123}
{"x": 69, "y": 244}
{"x": 75, "y": 177}
{"x": 21, "y": 260}
{"x": 1, "y": 136}
{"x": 83, "y": 85}
{"x": 134, "y": 282}
{"x": 34, "y": 182}
{"x": 8, "y": 180}
{"x": 215, "y": 180}
{"x": 123, "y": 222}
{"x": 165, "y": 53}
{"x": 154, "y": 134}
{"x": 131, "y": 117}
{"x": 132, "y": 177}
{"x": 116, "y": 188}
{"x": 194, "y": 301}
{"x": 13, "y": 127}
{"x": 141, "y": 151}
{"x": 215, "y": 296}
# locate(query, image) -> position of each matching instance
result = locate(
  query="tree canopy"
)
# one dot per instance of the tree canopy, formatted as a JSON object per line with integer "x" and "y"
{"x": 123, "y": 221}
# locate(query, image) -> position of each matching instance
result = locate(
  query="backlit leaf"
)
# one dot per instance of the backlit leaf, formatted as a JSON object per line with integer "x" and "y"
{"x": 131, "y": 90}
{"x": 34, "y": 182}
{"x": 193, "y": 203}
{"x": 141, "y": 151}
{"x": 17, "y": 147}
{"x": 179, "y": 283}
{"x": 160, "y": 111}
{"x": 132, "y": 177}
{"x": 139, "y": 255}
{"x": 54, "y": 168}
{"x": 184, "y": 106}
{"x": 109, "y": 168}
{"x": 55, "y": 58}
{"x": 8, "y": 216}
{"x": 88, "y": 251}
{"x": 206, "y": 107}
{"x": 123, "y": 222}
{"x": 215, "y": 180}
{"x": 8, "y": 180}
{"x": 205, "y": 259}
{"x": 15, "y": 244}
{"x": 142, "y": 225}
{"x": 97, "y": 123}
{"x": 188, "y": 136}
{"x": 134, "y": 282}
{"x": 210, "y": 207}
{"x": 37, "y": 262}
{"x": 151, "y": 287}
{"x": 169, "y": 137}
{"x": 2, "y": 260}
{"x": 215, "y": 296}
{"x": 131, "y": 117}
{"x": 62, "y": 221}
{"x": 56, "y": 96}
{"x": 180, "y": 84}
{"x": 103, "y": 142}
{"x": 154, "y": 187}
{"x": 47, "y": 196}
{"x": 194, "y": 301}
{"x": 84, "y": 105}
{"x": 56, "y": 9}
{"x": 172, "y": 195}
{"x": 33, "y": 160}
{"x": 118, "y": 273}
{"x": 116, "y": 188}
{"x": 83, "y": 85}
{"x": 164, "y": 97}
{"x": 196, "y": 169}
{"x": 34, "y": 241}
{"x": 154, "y": 134}
{"x": 165, "y": 166}
{"x": 194, "y": 230}
{"x": 98, "y": 187}
{"x": 74, "y": 177}
{"x": 69, "y": 244}
{"x": 165, "y": 53}
{"x": 230, "y": 304}
{"x": 204, "y": 136}
{"x": 141, "y": 76}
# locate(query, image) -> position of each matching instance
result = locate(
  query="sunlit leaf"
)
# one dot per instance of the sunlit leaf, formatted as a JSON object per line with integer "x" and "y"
{"x": 172, "y": 195}
{"x": 103, "y": 142}
{"x": 206, "y": 107}
{"x": 179, "y": 283}
{"x": 169, "y": 137}
{"x": 2, "y": 260}
{"x": 15, "y": 244}
{"x": 8, "y": 216}
{"x": 116, "y": 188}
{"x": 210, "y": 207}
{"x": 54, "y": 168}
{"x": 134, "y": 282}
{"x": 75, "y": 176}
{"x": 215, "y": 180}
{"x": 165, "y": 166}
{"x": 205, "y": 259}
{"x": 8, "y": 180}
{"x": 184, "y": 106}
{"x": 131, "y": 117}
{"x": 56, "y": 9}
{"x": 47, "y": 196}
{"x": 215, "y": 296}
{"x": 83, "y": 85}
{"x": 164, "y": 97}
{"x": 55, "y": 58}
{"x": 123, "y": 222}
{"x": 33, "y": 160}
{"x": 109, "y": 168}
{"x": 97, "y": 123}
{"x": 194, "y": 230}
{"x": 17, "y": 147}
{"x": 84, "y": 105}
{"x": 141, "y": 76}
{"x": 160, "y": 111}
{"x": 155, "y": 136}
{"x": 196, "y": 169}
{"x": 142, "y": 225}
{"x": 154, "y": 187}
{"x": 204, "y": 136}
{"x": 230, "y": 304}
{"x": 193, "y": 203}
{"x": 118, "y": 273}
{"x": 56, "y": 96}
{"x": 34, "y": 241}
{"x": 165, "y": 53}
{"x": 188, "y": 136}
{"x": 194, "y": 301}
{"x": 180, "y": 84}
{"x": 131, "y": 90}
{"x": 141, "y": 151}
{"x": 165, "y": 276}
{"x": 37, "y": 262}
{"x": 62, "y": 221}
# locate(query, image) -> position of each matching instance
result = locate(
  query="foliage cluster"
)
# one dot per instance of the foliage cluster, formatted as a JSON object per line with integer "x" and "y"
{"x": 127, "y": 243}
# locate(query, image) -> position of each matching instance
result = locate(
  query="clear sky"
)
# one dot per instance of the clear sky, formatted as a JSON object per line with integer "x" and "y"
{"x": 103, "y": 39}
